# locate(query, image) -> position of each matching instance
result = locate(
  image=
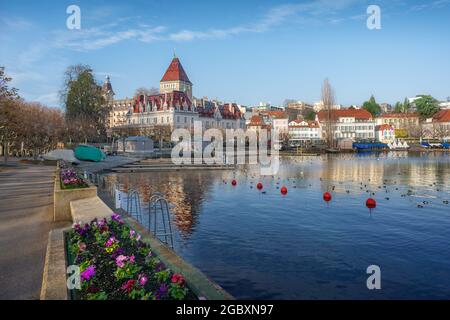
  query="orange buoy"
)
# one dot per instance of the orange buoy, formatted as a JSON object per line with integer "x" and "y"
{"x": 283, "y": 190}
{"x": 327, "y": 196}
{"x": 371, "y": 203}
{"x": 259, "y": 186}
{"x": 233, "y": 182}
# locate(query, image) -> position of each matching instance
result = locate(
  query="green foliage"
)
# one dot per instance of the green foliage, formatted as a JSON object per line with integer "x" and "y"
{"x": 402, "y": 107}
{"x": 5, "y": 91}
{"x": 102, "y": 295}
{"x": 310, "y": 115}
{"x": 372, "y": 106}
{"x": 84, "y": 103}
{"x": 427, "y": 106}
{"x": 177, "y": 292}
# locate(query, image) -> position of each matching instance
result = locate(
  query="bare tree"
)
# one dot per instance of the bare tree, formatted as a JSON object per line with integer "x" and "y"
{"x": 328, "y": 102}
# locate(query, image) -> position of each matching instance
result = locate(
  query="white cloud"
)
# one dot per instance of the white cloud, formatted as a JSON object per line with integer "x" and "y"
{"x": 16, "y": 23}
{"x": 50, "y": 99}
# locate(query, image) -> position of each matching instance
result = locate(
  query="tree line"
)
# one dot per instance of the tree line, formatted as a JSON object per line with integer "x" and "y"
{"x": 30, "y": 128}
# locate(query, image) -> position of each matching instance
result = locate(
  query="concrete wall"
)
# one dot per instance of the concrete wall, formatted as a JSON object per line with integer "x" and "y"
{"x": 63, "y": 197}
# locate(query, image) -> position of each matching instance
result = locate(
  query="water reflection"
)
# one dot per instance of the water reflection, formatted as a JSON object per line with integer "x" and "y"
{"x": 185, "y": 192}
{"x": 374, "y": 174}
{"x": 260, "y": 244}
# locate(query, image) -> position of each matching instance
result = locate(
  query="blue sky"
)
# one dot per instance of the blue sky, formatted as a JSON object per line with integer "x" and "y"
{"x": 239, "y": 51}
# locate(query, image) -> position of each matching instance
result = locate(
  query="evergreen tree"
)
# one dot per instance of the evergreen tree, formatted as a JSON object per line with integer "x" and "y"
{"x": 372, "y": 106}
{"x": 84, "y": 102}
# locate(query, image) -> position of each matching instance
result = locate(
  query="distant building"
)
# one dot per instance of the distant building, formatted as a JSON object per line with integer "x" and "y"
{"x": 445, "y": 104}
{"x": 256, "y": 123}
{"x": 405, "y": 123}
{"x": 385, "y": 107}
{"x": 277, "y": 120}
{"x": 318, "y": 106}
{"x": 356, "y": 124}
{"x": 295, "y": 110}
{"x": 227, "y": 116}
{"x": 265, "y": 106}
{"x": 304, "y": 132}
{"x": 438, "y": 127}
{"x": 385, "y": 133}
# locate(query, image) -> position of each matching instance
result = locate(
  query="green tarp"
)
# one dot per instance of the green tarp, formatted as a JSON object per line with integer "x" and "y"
{"x": 89, "y": 153}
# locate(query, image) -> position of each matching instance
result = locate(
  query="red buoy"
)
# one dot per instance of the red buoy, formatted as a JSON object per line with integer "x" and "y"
{"x": 327, "y": 196}
{"x": 283, "y": 190}
{"x": 371, "y": 203}
{"x": 233, "y": 182}
{"x": 259, "y": 186}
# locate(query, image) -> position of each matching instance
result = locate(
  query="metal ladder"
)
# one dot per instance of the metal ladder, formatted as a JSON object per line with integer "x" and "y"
{"x": 158, "y": 208}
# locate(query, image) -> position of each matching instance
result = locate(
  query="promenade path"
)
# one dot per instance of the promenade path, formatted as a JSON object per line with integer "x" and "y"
{"x": 26, "y": 212}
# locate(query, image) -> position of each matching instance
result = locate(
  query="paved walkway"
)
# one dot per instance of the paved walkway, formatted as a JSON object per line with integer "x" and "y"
{"x": 26, "y": 212}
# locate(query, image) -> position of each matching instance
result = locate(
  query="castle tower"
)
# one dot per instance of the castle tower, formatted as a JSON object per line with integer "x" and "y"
{"x": 107, "y": 90}
{"x": 175, "y": 79}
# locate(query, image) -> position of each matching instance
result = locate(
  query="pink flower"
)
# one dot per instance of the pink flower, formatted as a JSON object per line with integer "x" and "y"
{"x": 142, "y": 279}
{"x": 110, "y": 242}
{"x": 131, "y": 258}
{"x": 138, "y": 237}
{"x": 120, "y": 261}
{"x": 132, "y": 233}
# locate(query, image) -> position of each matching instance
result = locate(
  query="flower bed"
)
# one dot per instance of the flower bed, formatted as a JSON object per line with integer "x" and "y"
{"x": 115, "y": 264}
{"x": 70, "y": 180}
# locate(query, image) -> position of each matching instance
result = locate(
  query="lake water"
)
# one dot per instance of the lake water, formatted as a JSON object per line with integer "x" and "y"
{"x": 263, "y": 245}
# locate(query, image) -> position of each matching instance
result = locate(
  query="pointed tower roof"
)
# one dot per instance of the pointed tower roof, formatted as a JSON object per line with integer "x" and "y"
{"x": 175, "y": 72}
{"x": 107, "y": 87}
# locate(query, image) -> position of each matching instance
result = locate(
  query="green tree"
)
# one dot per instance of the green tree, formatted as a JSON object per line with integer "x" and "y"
{"x": 406, "y": 105}
{"x": 398, "y": 107}
{"x": 84, "y": 103}
{"x": 310, "y": 115}
{"x": 426, "y": 106}
{"x": 372, "y": 106}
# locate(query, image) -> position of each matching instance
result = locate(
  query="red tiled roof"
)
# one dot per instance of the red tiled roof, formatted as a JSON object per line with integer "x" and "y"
{"x": 342, "y": 113}
{"x": 173, "y": 99}
{"x": 175, "y": 72}
{"x": 400, "y": 115}
{"x": 275, "y": 114}
{"x": 227, "y": 111}
{"x": 442, "y": 116}
{"x": 256, "y": 120}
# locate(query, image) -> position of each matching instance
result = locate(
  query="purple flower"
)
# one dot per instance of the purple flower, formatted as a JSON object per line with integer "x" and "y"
{"x": 142, "y": 279}
{"x": 159, "y": 266}
{"x": 118, "y": 252}
{"x": 88, "y": 273}
{"x": 116, "y": 217}
{"x": 162, "y": 291}
{"x": 101, "y": 223}
{"x": 132, "y": 233}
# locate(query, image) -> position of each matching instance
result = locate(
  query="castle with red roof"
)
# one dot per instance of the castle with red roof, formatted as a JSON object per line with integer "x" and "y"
{"x": 173, "y": 106}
